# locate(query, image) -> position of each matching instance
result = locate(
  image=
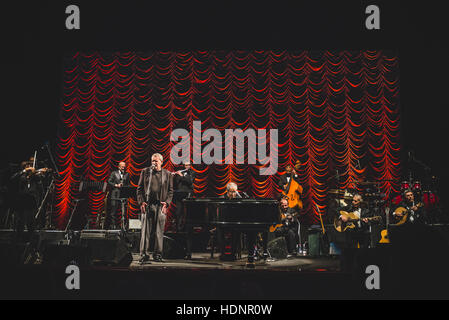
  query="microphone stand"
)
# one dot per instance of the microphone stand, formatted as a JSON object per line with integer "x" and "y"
{"x": 52, "y": 160}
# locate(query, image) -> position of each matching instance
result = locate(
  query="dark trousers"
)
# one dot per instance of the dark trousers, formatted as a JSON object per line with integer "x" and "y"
{"x": 25, "y": 209}
{"x": 251, "y": 243}
{"x": 153, "y": 225}
{"x": 24, "y": 217}
{"x": 291, "y": 237}
{"x": 113, "y": 213}
{"x": 357, "y": 238}
{"x": 179, "y": 215}
{"x": 189, "y": 235}
{"x": 353, "y": 239}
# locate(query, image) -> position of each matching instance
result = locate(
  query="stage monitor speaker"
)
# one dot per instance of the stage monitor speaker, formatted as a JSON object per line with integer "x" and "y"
{"x": 108, "y": 251}
{"x": 62, "y": 253}
{"x": 173, "y": 247}
{"x": 13, "y": 254}
{"x": 278, "y": 248}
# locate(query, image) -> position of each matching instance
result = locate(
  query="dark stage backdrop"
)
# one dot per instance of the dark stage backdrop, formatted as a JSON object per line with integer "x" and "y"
{"x": 334, "y": 111}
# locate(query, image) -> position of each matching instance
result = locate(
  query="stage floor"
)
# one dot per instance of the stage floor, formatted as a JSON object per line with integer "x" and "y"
{"x": 204, "y": 262}
{"x": 404, "y": 273}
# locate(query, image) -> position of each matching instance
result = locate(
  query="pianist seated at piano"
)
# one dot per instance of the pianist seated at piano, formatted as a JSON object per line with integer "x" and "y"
{"x": 218, "y": 234}
{"x": 231, "y": 192}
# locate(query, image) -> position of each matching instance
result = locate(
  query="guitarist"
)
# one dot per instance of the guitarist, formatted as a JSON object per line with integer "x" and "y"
{"x": 416, "y": 211}
{"x": 360, "y": 234}
{"x": 289, "y": 228}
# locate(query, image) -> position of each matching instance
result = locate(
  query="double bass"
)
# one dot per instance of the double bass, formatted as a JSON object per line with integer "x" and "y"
{"x": 293, "y": 192}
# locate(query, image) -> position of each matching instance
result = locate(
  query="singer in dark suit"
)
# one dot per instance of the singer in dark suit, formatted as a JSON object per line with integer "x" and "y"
{"x": 154, "y": 195}
{"x": 117, "y": 180}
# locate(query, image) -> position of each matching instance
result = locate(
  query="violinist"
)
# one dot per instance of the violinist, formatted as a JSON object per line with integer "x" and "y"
{"x": 26, "y": 200}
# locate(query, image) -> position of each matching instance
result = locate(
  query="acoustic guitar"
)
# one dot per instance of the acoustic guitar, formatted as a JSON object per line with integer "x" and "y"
{"x": 384, "y": 233}
{"x": 283, "y": 216}
{"x": 407, "y": 213}
{"x": 341, "y": 226}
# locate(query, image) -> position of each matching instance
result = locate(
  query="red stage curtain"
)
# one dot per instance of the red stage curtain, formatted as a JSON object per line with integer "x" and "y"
{"x": 332, "y": 109}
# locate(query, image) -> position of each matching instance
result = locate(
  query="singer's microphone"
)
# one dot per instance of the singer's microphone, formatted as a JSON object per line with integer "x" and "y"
{"x": 153, "y": 167}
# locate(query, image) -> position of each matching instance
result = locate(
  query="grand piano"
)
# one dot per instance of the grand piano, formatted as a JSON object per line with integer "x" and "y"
{"x": 231, "y": 217}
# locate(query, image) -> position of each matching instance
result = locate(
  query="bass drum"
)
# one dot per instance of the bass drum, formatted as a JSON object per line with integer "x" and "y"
{"x": 430, "y": 199}
{"x": 405, "y": 185}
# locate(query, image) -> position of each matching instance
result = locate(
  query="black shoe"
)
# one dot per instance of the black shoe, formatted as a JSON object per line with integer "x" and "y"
{"x": 250, "y": 265}
{"x": 188, "y": 257}
{"x": 144, "y": 259}
{"x": 158, "y": 258}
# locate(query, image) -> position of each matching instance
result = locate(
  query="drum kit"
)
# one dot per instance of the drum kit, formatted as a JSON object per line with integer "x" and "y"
{"x": 370, "y": 191}
{"x": 428, "y": 196}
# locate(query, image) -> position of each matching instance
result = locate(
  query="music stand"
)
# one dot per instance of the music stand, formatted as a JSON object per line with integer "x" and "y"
{"x": 126, "y": 192}
{"x": 86, "y": 186}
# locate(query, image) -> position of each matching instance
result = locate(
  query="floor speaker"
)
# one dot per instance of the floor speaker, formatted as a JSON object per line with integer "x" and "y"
{"x": 278, "y": 248}
{"x": 109, "y": 251}
{"x": 62, "y": 254}
{"x": 12, "y": 254}
{"x": 173, "y": 247}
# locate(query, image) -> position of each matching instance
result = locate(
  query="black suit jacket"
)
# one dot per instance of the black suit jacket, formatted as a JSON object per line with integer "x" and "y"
{"x": 283, "y": 180}
{"x": 185, "y": 183}
{"x": 114, "y": 179}
{"x": 166, "y": 186}
{"x": 419, "y": 214}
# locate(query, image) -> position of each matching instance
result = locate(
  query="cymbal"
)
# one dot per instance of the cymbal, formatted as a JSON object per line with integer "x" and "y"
{"x": 336, "y": 191}
{"x": 366, "y": 183}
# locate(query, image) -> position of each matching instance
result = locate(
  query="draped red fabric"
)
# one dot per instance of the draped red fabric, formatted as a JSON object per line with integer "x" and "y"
{"x": 333, "y": 111}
